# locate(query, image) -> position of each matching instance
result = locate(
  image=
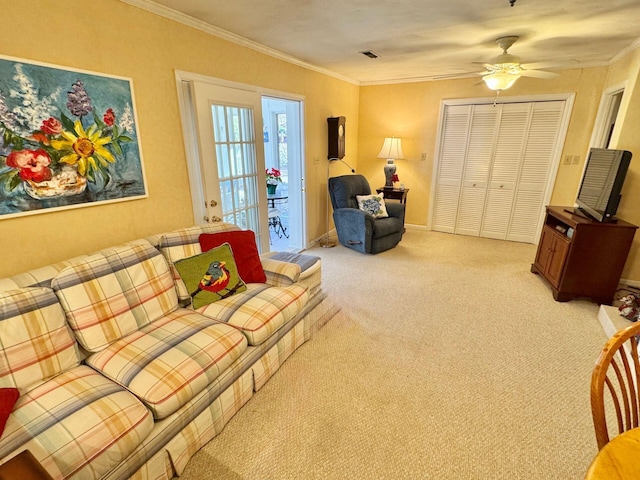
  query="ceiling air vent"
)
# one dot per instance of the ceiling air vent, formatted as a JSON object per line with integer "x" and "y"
{"x": 370, "y": 53}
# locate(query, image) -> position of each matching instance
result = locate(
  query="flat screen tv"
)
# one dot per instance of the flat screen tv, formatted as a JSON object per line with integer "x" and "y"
{"x": 604, "y": 174}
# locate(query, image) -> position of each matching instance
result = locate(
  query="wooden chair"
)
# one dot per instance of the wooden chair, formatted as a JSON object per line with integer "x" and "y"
{"x": 615, "y": 400}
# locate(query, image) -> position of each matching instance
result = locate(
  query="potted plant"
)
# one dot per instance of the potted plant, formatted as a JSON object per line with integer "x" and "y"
{"x": 273, "y": 178}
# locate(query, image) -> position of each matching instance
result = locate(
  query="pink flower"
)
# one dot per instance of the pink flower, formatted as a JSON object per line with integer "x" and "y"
{"x": 33, "y": 164}
{"x": 109, "y": 117}
{"x": 395, "y": 178}
{"x": 52, "y": 126}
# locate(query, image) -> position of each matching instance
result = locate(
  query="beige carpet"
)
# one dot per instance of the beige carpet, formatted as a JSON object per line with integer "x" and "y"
{"x": 449, "y": 360}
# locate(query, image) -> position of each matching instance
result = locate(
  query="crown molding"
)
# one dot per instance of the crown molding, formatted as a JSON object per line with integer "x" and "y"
{"x": 633, "y": 46}
{"x": 184, "y": 19}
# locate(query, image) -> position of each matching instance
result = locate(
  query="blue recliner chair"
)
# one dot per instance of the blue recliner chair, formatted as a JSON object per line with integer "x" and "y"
{"x": 358, "y": 229}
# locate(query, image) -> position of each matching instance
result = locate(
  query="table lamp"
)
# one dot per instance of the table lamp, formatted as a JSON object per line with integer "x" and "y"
{"x": 391, "y": 150}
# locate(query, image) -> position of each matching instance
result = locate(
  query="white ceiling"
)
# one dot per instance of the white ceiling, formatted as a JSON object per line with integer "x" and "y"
{"x": 421, "y": 39}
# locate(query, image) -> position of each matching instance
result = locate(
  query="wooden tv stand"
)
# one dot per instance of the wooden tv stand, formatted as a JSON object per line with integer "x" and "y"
{"x": 580, "y": 257}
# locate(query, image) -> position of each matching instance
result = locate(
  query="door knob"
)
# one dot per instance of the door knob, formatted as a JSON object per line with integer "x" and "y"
{"x": 213, "y": 203}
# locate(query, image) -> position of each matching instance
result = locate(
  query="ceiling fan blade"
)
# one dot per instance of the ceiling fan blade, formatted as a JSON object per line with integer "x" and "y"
{"x": 539, "y": 74}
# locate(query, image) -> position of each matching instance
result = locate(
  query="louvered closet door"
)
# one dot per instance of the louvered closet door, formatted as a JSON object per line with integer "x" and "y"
{"x": 455, "y": 132}
{"x": 505, "y": 169}
{"x": 475, "y": 176}
{"x": 493, "y": 184}
{"x": 543, "y": 134}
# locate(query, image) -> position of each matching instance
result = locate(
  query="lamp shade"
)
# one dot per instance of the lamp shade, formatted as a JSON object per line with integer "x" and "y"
{"x": 500, "y": 80}
{"x": 392, "y": 148}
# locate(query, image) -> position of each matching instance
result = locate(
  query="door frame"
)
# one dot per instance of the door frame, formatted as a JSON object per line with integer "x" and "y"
{"x": 604, "y": 116}
{"x": 190, "y": 137}
{"x": 555, "y": 164}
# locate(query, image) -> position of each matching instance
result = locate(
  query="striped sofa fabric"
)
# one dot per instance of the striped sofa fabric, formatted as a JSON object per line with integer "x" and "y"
{"x": 117, "y": 378}
{"x": 75, "y": 421}
{"x": 108, "y": 296}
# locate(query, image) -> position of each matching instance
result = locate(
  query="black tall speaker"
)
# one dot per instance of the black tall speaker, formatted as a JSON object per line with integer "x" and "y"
{"x": 335, "y": 136}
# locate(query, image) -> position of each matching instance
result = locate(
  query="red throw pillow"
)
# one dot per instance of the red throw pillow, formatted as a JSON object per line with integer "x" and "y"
{"x": 8, "y": 398}
{"x": 245, "y": 252}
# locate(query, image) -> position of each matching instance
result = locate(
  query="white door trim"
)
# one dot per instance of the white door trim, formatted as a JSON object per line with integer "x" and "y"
{"x": 603, "y": 116}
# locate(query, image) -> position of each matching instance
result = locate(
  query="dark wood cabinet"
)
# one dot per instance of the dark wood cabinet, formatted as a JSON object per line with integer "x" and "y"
{"x": 582, "y": 258}
{"x": 552, "y": 254}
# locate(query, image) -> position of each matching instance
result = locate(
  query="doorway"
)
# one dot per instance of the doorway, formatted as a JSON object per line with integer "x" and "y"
{"x": 225, "y": 133}
{"x": 604, "y": 128}
{"x": 282, "y": 138}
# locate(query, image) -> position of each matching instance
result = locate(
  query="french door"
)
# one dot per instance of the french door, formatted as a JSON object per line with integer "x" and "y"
{"x": 232, "y": 157}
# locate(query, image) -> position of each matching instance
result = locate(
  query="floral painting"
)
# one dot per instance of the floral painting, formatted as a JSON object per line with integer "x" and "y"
{"x": 68, "y": 139}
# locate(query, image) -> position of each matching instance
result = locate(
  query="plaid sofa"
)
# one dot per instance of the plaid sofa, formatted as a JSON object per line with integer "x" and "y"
{"x": 118, "y": 379}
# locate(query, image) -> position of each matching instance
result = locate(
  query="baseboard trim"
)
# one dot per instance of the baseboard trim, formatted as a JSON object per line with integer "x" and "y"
{"x": 630, "y": 283}
{"x": 611, "y": 320}
{"x": 412, "y": 226}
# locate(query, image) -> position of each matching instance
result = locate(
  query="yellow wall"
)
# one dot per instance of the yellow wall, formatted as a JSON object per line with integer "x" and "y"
{"x": 111, "y": 37}
{"x": 411, "y": 111}
{"x": 114, "y": 38}
{"x": 627, "y": 136}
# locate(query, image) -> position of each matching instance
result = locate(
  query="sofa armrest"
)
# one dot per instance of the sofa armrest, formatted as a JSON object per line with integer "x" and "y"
{"x": 395, "y": 209}
{"x": 280, "y": 274}
{"x": 354, "y": 228}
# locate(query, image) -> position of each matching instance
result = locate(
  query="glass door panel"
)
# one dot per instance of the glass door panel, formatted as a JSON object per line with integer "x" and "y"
{"x": 230, "y": 157}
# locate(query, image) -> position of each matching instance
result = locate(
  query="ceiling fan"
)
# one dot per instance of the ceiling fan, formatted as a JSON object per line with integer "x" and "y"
{"x": 506, "y": 68}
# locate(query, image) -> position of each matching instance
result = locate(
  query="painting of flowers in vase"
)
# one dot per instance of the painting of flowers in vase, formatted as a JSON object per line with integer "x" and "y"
{"x": 68, "y": 138}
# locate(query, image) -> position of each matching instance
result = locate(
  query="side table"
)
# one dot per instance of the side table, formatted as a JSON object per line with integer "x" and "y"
{"x": 394, "y": 194}
{"x": 23, "y": 466}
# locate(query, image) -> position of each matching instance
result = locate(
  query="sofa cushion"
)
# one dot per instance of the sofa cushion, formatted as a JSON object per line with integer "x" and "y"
{"x": 260, "y": 311}
{"x": 35, "y": 340}
{"x": 245, "y": 251}
{"x": 185, "y": 243}
{"x": 107, "y": 296}
{"x": 78, "y": 424}
{"x": 169, "y": 361}
{"x": 211, "y": 276}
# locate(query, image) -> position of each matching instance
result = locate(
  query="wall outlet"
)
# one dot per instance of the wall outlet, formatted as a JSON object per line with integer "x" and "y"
{"x": 576, "y": 159}
{"x": 316, "y": 160}
{"x": 567, "y": 159}
{"x": 423, "y": 156}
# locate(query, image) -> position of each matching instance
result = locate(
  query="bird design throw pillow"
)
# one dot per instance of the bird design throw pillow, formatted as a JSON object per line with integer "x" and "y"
{"x": 373, "y": 204}
{"x": 211, "y": 276}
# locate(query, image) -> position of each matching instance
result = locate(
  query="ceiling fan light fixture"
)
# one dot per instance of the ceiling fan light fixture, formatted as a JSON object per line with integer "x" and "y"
{"x": 500, "y": 80}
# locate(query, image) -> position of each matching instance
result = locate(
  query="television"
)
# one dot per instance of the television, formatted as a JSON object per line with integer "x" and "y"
{"x": 604, "y": 174}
